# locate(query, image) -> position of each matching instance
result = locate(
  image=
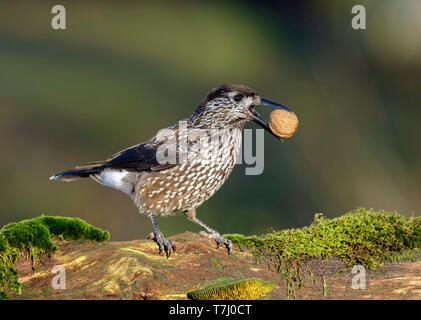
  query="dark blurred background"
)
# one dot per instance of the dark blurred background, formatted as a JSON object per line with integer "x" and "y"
{"x": 122, "y": 70}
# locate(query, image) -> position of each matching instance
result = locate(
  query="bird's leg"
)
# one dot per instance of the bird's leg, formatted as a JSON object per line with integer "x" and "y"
{"x": 213, "y": 234}
{"x": 158, "y": 237}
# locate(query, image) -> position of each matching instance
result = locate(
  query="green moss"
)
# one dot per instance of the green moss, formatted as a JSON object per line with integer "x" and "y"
{"x": 8, "y": 275}
{"x": 228, "y": 289}
{"x": 361, "y": 236}
{"x": 73, "y": 229}
{"x": 33, "y": 237}
{"x": 29, "y": 234}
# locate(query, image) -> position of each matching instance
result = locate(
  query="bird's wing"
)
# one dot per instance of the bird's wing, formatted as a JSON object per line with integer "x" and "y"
{"x": 145, "y": 156}
{"x": 141, "y": 157}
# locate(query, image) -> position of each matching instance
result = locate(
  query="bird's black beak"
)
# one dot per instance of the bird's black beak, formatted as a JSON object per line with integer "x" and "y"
{"x": 258, "y": 119}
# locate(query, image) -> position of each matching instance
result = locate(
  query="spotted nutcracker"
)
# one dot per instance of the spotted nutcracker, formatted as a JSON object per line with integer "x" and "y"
{"x": 205, "y": 146}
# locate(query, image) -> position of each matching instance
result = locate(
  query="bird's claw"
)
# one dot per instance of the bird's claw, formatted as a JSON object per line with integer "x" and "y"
{"x": 219, "y": 240}
{"x": 164, "y": 245}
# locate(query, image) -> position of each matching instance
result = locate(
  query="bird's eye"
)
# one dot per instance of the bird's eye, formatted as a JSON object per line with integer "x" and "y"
{"x": 238, "y": 97}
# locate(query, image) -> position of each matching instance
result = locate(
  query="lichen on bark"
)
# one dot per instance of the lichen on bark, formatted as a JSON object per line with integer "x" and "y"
{"x": 229, "y": 289}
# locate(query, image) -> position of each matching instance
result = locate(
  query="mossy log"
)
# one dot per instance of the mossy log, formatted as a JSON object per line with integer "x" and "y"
{"x": 274, "y": 266}
{"x": 135, "y": 270}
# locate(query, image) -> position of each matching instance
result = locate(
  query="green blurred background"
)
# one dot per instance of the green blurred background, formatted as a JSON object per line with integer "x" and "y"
{"x": 122, "y": 70}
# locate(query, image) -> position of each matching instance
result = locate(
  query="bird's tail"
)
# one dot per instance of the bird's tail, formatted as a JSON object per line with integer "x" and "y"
{"x": 76, "y": 174}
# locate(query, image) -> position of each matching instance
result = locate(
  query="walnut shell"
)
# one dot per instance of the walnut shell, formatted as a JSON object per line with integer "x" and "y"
{"x": 283, "y": 123}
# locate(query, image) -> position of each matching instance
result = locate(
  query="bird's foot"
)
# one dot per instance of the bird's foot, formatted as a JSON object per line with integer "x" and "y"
{"x": 219, "y": 240}
{"x": 164, "y": 245}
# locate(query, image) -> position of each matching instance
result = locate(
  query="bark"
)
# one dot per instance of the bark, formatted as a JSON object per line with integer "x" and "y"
{"x": 135, "y": 270}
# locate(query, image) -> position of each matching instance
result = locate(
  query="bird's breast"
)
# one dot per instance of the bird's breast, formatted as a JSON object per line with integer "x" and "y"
{"x": 191, "y": 182}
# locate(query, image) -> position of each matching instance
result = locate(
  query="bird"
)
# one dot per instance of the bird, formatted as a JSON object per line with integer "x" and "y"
{"x": 183, "y": 165}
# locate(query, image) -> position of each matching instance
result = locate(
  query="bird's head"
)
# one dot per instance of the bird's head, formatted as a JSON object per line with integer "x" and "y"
{"x": 232, "y": 105}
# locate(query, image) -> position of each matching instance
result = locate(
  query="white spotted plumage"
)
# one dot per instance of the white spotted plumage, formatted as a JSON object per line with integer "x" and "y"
{"x": 196, "y": 180}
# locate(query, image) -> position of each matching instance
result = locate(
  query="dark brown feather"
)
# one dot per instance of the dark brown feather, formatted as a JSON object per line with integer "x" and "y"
{"x": 223, "y": 89}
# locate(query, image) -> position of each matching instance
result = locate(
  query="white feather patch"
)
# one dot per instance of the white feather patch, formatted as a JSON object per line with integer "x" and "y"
{"x": 114, "y": 179}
